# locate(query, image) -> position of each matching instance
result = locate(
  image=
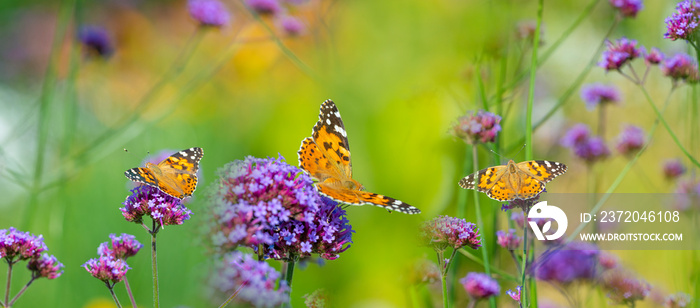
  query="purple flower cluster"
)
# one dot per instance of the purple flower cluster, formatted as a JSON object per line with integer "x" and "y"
{"x": 265, "y": 7}
{"x": 17, "y": 246}
{"x": 509, "y": 240}
{"x": 480, "y": 127}
{"x": 291, "y": 25}
{"x": 96, "y": 41}
{"x": 583, "y": 145}
{"x": 210, "y": 13}
{"x": 627, "y": 8}
{"x": 683, "y": 23}
{"x": 45, "y": 266}
{"x": 515, "y": 295}
{"x": 623, "y": 287}
{"x": 255, "y": 280}
{"x": 681, "y": 67}
{"x": 599, "y": 94}
{"x": 480, "y": 286}
{"x": 673, "y": 168}
{"x": 687, "y": 195}
{"x": 445, "y": 231}
{"x": 655, "y": 56}
{"x": 107, "y": 269}
{"x": 267, "y": 201}
{"x": 123, "y": 246}
{"x": 630, "y": 140}
{"x": 150, "y": 201}
{"x": 575, "y": 261}
{"x": 620, "y": 53}
{"x": 328, "y": 236}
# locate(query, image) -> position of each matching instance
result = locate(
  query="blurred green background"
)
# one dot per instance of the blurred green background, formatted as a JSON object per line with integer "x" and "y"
{"x": 400, "y": 73}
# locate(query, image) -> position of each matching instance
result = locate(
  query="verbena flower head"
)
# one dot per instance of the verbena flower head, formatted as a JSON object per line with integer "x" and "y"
{"x": 687, "y": 195}
{"x": 655, "y": 56}
{"x": 684, "y": 22}
{"x": 445, "y": 231}
{"x": 265, "y": 7}
{"x": 107, "y": 269}
{"x": 96, "y": 41}
{"x": 150, "y": 201}
{"x": 123, "y": 246}
{"x": 257, "y": 280}
{"x": 45, "y": 266}
{"x": 508, "y": 239}
{"x": 515, "y": 295}
{"x": 673, "y": 168}
{"x": 680, "y": 67}
{"x": 599, "y": 94}
{"x": 253, "y": 197}
{"x": 480, "y": 286}
{"x": 329, "y": 235}
{"x": 578, "y": 133}
{"x": 620, "y": 53}
{"x": 583, "y": 145}
{"x": 480, "y": 127}
{"x": 630, "y": 140}
{"x": 623, "y": 287}
{"x": 518, "y": 218}
{"x": 17, "y": 246}
{"x": 212, "y": 13}
{"x": 678, "y": 300}
{"x": 577, "y": 261}
{"x": 316, "y": 299}
{"x": 607, "y": 260}
{"x": 292, "y": 26}
{"x": 627, "y": 8}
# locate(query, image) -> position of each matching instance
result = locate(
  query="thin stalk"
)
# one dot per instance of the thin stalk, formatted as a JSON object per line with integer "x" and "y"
{"x": 9, "y": 279}
{"x": 14, "y": 299}
{"x": 660, "y": 117}
{"x": 235, "y": 293}
{"x": 413, "y": 294}
{"x": 128, "y": 291}
{"x": 445, "y": 301}
{"x": 480, "y": 221}
{"x": 114, "y": 296}
{"x": 523, "y": 266}
{"x": 289, "y": 274}
{"x": 47, "y": 94}
{"x": 533, "y": 283}
{"x": 531, "y": 91}
{"x": 154, "y": 265}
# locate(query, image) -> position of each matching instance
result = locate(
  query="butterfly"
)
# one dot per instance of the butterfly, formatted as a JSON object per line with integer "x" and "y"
{"x": 523, "y": 180}
{"x": 326, "y": 156}
{"x": 175, "y": 176}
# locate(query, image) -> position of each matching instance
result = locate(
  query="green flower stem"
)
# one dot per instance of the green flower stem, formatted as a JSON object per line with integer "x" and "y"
{"x": 66, "y": 12}
{"x": 9, "y": 279}
{"x": 154, "y": 264}
{"x": 445, "y": 300}
{"x": 114, "y": 296}
{"x": 623, "y": 173}
{"x": 14, "y": 299}
{"x": 480, "y": 221}
{"x": 523, "y": 267}
{"x": 128, "y": 291}
{"x": 413, "y": 293}
{"x": 533, "y": 282}
{"x": 230, "y": 298}
{"x": 289, "y": 274}
{"x": 531, "y": 91}
{"x": 660, "y": 117}
{"x": 476, "y": 260}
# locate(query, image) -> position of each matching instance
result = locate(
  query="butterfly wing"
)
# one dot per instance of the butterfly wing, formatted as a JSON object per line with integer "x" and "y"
{"x": 494, "y": 181}
{"x": 356, "y": 197}
{"x": 142, "y": 175}
{"x": 331, "y": 139}
{"x": 312, "y": 160}
{"x": 534, "y": 174}
{"x": 179, "y": 172}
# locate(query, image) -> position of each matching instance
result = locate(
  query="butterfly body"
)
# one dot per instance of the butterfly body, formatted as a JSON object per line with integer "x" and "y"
{"x": 175, "y": 176}
{"x": 326, "y": 157}
{"x": 523, "y": 180}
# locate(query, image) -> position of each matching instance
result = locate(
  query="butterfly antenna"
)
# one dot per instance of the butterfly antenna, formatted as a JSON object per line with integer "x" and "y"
{"x": 521, "y": 149}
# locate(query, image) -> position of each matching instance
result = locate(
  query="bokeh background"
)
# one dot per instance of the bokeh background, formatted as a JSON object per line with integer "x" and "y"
{"x": 401, "y": 74}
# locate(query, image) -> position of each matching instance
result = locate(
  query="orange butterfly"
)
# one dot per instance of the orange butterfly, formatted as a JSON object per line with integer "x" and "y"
{"x": 523, "y": 180}
{"x": 175, "y": 176}
{"x": 326, "y": 156}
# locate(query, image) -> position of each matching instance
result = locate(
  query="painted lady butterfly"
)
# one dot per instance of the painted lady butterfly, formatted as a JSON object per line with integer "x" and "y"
{"x": 523, "y": 180}
{"x": 326, "y": 156}
{"x": 175, "y": 176}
